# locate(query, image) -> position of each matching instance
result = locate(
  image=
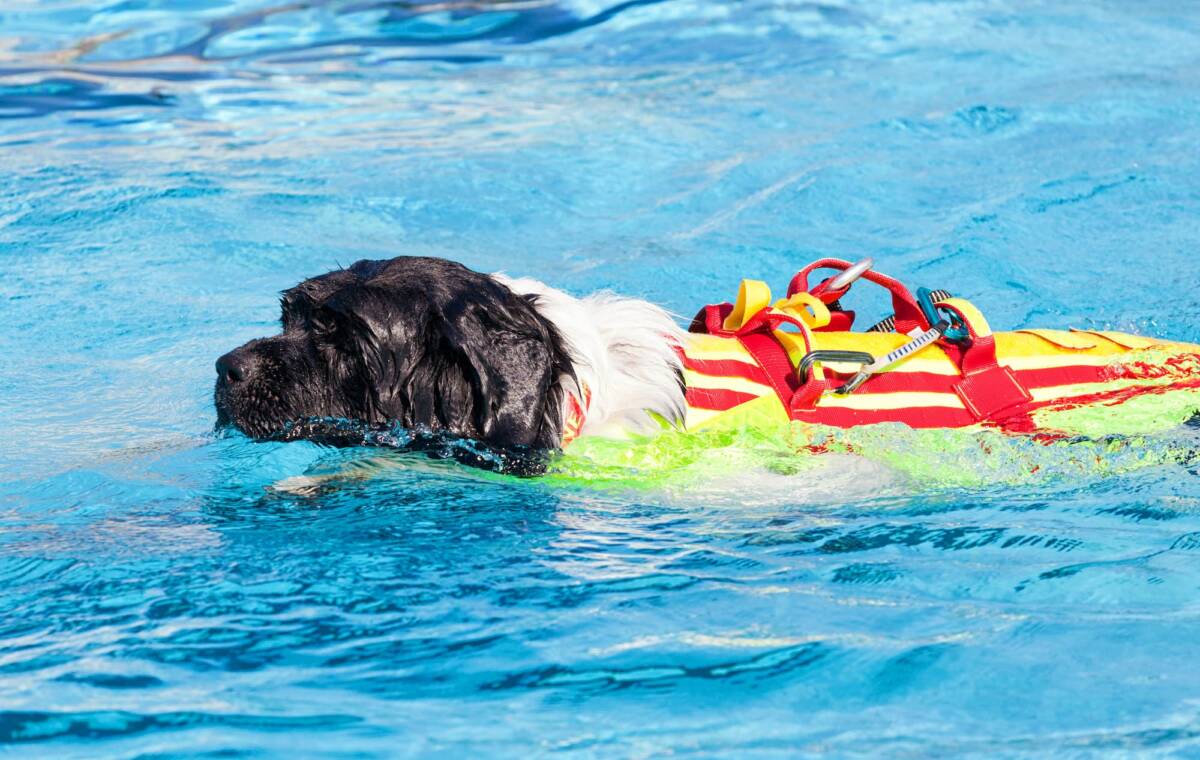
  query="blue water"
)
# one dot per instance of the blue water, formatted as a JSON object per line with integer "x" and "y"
{"x": 167, "y": 166}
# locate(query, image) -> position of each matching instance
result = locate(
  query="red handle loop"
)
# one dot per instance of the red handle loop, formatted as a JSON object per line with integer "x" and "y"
{"x": 908, "y": 313}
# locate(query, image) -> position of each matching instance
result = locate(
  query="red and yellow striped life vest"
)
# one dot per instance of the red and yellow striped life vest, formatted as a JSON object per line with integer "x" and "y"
{"x": 750, "y": 352}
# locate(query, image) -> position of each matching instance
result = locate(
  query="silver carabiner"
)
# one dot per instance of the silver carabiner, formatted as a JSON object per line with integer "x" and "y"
{"x": 848, "y": 276}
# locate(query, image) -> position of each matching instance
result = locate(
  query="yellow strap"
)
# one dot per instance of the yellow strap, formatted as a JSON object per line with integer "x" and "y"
{"x": 806, "y": 307}
{"x": 1124, "y": 340}
{"x": 1062, "y": 339}
{"x": 753, "y": 297}
{"x": 971, "y": 315}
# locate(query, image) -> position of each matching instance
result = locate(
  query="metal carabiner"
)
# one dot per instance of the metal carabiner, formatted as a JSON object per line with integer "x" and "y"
{"x": 843, "y": 279}
{"x": 956, "y": 329}
{"x": 847, "y": 277}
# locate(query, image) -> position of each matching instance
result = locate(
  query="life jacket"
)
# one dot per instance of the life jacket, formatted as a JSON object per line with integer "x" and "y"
{"x": 798, "y": 359}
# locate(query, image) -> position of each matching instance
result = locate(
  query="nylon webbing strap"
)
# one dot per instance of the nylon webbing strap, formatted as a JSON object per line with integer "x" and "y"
{"x": 988, "y": 389}
{"x": 775, "y": 362}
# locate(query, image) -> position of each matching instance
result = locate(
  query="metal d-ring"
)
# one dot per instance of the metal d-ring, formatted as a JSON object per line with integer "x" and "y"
{"x": 956, "y": 330}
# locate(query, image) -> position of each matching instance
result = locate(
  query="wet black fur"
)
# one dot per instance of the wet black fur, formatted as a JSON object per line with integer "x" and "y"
{"x": 423, "y": 343}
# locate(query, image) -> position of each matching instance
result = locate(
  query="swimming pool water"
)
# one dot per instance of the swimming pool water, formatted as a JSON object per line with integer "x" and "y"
{"x": 167, "y": 166}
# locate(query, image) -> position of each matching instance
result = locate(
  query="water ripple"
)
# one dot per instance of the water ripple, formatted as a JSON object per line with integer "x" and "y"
{"x": 46, "y": 96}
{"x": 26, "y": 727}
{"x": 776, "y": 663}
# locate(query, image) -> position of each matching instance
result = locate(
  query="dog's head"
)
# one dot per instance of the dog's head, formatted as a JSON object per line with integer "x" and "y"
{"x": 420, "y": 342}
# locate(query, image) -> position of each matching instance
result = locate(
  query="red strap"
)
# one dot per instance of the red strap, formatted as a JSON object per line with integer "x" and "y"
{"x": 988, "y": 390}
{"x": 714, "y": 318}
{"x": 775, "y": 362}
{"x": 839, "y": 321}
{"x": 757, "y": 335}
{"x": 908, "y": 313}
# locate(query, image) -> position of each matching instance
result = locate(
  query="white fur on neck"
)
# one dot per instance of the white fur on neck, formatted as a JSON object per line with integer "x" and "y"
{"x": 622, "y": 349}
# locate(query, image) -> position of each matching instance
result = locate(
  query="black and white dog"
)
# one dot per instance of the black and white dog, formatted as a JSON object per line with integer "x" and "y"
{"x": 430, "y": 345}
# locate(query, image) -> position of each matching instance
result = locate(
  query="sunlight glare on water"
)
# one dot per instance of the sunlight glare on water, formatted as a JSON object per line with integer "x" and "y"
{"x": 168, "y": 166}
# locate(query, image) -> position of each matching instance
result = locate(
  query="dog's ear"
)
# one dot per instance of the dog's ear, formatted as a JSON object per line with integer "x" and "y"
{"x": 469, "y": 358}
{"x": 511, "y": 358}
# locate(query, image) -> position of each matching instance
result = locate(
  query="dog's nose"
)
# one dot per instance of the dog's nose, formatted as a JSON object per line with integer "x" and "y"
{"x": 235, "y": 367}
